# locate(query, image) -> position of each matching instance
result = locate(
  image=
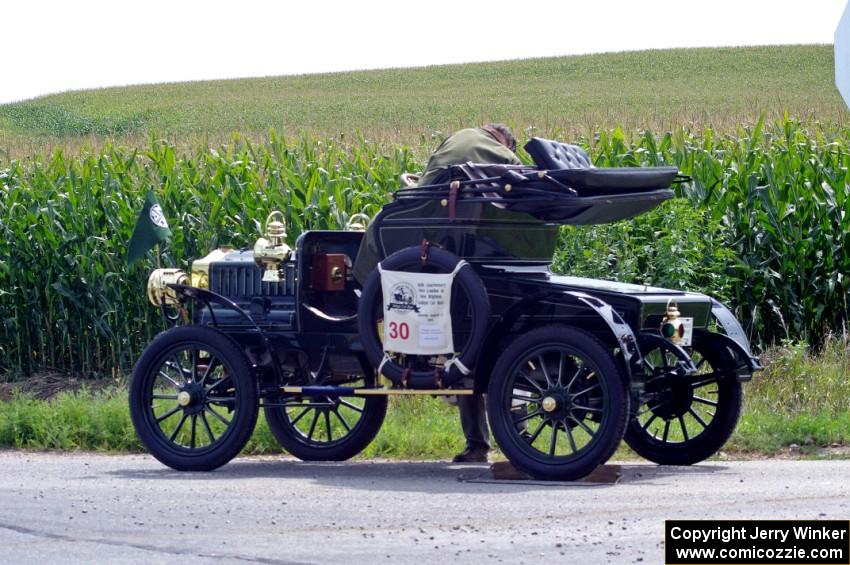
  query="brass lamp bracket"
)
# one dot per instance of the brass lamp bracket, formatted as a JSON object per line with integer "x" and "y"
{"x": 357, "y": 222}
{"x": 271, "y": 252}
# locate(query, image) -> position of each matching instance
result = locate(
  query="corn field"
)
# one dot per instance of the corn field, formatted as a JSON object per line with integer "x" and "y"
{"x": 763, "y": 225}
{"x": 67, "y": 299}
{"x": 770, "y": 208}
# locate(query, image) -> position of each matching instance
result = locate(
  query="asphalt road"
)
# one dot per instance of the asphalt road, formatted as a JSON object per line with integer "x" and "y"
{"x": 84, "y": 508}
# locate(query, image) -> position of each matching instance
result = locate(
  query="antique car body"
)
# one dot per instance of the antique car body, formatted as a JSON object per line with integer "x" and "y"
{"x": 631, "y": 360}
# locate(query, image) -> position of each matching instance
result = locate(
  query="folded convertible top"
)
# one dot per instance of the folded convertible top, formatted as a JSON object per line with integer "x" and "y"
{"x": 596, "y": 182}
{"x": 567, "y": 196}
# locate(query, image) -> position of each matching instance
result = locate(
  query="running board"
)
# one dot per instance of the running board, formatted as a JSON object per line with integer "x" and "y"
{"x": 350, "y": 391}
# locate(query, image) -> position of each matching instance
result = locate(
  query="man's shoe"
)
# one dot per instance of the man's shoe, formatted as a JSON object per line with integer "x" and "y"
{"x": 472, "y": 455}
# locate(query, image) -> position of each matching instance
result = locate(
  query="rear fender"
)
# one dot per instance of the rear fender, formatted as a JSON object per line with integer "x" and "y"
{"x": 619, "y": 330}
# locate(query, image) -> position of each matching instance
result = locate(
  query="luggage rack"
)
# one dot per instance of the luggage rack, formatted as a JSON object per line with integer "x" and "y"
{"x": 496, "y": 213}
{"x": 563, "y": 196}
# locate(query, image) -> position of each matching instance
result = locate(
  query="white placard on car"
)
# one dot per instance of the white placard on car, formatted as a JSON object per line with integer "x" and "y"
{"x": 417, "y": 312}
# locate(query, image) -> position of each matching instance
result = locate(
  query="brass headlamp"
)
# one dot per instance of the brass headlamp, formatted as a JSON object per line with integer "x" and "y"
{"x": 158, "y": 289}
{"x": 271, "y": 252}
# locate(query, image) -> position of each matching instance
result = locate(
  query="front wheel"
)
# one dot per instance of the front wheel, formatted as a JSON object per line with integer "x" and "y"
{"x": 193, "y": 398}
{"x": 557, "y": 403}
{"x": 686, "y": 419}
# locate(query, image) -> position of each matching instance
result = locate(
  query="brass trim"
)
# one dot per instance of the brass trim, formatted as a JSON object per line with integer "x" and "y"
{"x": 394, "y": 391}
{"x": 413, "y": 392}
{"x": 201, "y": 267}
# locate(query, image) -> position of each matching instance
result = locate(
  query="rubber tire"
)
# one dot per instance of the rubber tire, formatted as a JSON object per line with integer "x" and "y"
{"x": 466, "y": 279}
{"x": 374, "y": 412}
{"x": 712, "y": 438}
{"x": 247, "y": 406}
{"x": 618, "y": 400}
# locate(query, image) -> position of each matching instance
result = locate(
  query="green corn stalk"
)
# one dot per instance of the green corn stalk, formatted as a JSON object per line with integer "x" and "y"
{"x": 763, "y": 225}
{"x": 774, "y": 195}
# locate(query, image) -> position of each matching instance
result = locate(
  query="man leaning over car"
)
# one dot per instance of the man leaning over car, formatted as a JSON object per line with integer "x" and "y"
{"x": 493, "y": 143}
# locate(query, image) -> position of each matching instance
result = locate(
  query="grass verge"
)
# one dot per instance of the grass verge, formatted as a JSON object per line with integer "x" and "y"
{"x": 800, "y": 399}
{"x": 82, "y": 420}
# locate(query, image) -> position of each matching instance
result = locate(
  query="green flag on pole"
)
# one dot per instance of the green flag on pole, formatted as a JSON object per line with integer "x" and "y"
{"x": 151, "y": 228}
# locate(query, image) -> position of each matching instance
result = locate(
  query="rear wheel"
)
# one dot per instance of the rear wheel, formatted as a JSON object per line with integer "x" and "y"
{"x": 557, "y": 403}
{"x": 193, "y": 398}
{"x": 686, "y": 419}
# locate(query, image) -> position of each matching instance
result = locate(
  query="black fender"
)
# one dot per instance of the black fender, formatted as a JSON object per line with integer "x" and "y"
{"x": 620, "y": 331}
{"x": 649, "y": 341}
{"x": 745, "y": 364}
{"x": 735, "y": 339}
{"x": 207, "y": 298}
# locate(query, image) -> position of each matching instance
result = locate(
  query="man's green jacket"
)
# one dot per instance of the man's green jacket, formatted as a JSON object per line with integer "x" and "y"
{"x": 474, "y": 145}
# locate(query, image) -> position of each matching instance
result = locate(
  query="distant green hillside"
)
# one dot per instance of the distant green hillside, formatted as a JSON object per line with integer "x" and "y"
{"x": 651, "y": 89}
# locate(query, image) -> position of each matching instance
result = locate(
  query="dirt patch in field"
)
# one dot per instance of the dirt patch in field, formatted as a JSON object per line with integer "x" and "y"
{"x": 47, "y": 385}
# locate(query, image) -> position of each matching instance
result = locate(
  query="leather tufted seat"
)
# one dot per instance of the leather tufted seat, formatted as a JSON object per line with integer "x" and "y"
{"x": 549, "y": 154}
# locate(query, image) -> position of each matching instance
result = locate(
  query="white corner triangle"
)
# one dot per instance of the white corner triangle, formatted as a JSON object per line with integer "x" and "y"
{"x": 842, "y": 55}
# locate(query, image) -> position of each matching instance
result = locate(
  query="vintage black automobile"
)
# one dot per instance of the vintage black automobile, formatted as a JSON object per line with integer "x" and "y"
{"x": 571, "y": 366}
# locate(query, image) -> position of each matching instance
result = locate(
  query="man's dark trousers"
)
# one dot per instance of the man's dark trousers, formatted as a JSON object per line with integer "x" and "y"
{"x": 473, "y": 420}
